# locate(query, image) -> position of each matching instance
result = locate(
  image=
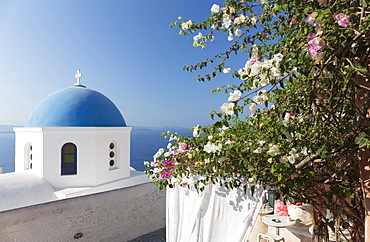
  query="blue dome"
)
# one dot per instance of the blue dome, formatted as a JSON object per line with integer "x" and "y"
{"x": 76, "y": 106}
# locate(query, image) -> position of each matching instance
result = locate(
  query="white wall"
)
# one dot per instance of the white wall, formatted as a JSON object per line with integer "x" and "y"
{"x": 92, "y": 153}
{"x": 119, "y": 215}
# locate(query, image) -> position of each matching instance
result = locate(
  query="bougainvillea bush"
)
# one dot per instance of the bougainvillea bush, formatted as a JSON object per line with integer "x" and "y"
{"x": 295, "y": 115}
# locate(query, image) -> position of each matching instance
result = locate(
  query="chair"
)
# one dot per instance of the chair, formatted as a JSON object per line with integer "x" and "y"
{"x": 270, "y": 237}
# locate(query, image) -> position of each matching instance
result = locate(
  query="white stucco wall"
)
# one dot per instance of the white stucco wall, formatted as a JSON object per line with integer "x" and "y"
{"x": 119, "y": 215}
{"x": 92, "y": 153}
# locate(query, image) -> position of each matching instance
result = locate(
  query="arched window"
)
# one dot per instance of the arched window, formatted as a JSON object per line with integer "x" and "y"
{"x": 69, "y": 159}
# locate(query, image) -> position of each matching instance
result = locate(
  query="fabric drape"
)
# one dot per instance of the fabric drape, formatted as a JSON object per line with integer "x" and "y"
{"x": 217, "y": 214}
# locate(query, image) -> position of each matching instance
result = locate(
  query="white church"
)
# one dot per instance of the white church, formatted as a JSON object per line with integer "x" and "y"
{"x": 75, "y": 144}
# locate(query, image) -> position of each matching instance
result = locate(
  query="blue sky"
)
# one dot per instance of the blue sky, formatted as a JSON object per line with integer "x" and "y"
{"x": 124, "y": 49}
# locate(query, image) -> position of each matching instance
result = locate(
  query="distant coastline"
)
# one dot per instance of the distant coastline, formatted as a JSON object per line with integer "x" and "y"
{"x": 9, "y": 128}
{"x": 6, "y": 128}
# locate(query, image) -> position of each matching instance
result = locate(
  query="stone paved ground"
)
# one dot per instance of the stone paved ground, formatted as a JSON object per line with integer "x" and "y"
{"x": 156, "y": 236}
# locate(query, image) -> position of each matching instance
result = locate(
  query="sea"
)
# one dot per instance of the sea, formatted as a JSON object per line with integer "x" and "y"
{"x": 145, "y": 142}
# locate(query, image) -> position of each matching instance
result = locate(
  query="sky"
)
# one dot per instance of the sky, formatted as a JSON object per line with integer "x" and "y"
{"x": 124, "y": 49}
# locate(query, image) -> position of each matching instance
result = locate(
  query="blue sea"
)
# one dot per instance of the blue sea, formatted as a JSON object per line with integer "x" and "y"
{"x": 145, "y": 142}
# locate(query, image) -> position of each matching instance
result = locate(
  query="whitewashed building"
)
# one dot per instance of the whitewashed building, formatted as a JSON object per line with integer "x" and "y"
{"x": 76, "y": 144}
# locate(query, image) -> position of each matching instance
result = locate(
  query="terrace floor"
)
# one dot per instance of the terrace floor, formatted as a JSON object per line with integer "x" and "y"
{"x": 156, "y": 236}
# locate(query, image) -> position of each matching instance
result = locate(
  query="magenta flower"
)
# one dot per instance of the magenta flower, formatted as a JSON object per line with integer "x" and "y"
{"x": 168, "y": 163}
{"x": 292, "y": 21}
{"x": 166, "y": 174}
{"x": 343, "y": 20}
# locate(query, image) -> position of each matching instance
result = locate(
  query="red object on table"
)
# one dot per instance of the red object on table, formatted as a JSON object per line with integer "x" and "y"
{"x": 280, "y": 208}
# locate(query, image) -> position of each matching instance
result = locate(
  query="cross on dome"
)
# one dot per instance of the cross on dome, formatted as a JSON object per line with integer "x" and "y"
{"x": 78, "y": 76}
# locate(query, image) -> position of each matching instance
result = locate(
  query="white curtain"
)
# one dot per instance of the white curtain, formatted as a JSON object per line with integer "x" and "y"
{"x": 217, "y": 214}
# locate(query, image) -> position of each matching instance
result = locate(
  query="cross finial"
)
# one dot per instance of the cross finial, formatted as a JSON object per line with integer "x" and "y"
{"x": 78, "y": 76}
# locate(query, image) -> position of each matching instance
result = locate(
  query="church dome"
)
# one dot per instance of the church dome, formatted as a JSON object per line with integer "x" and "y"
{"x": 76, "y": 106}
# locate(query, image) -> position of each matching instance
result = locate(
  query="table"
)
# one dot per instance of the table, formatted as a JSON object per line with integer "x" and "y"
{"x": 278, "y": 221}
{"x": 265, "y": 211}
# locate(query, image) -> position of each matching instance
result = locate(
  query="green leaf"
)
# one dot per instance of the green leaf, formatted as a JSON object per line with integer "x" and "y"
{"x": 361, "y": 140}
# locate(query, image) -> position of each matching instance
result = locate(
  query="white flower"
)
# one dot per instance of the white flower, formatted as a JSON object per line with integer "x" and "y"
{"x": 238, "y": 32}
{"x": 275, "y": 72}
{"x": 293, "y": 156}
{"x": 226, "y": 22}
{"x": 158, "y": 154}
{"x": 286, "y": 119}
{"x": 226, "y": 70}
{"x": 261, "y": 142}
{"x": 240, "y": 19}
{"x": 215, "y": 8}
{"x": 258, "y": 150}
{"x": 261, "y": 97}
{"x": 278, "y": 57}
{"x": 198, "y": 36}
{"x": 264, "y": 81}
{"x": 230, "y": 37}
{"x": 293, "y": 71}
{"x": 304, "y": 151}
{"x": 212, "y": 148}
{"x": 196, "y": 132}
{"x": 253, "y": 20}
{"x": 146, "y": 163}
{"x": 235, "y": 96}
{"x": 228, "y": 108}
{"x": 256, "y": 68}
{"x": 168, "y": 153}
{"x": 207, "y": 160}
{"x": 284, "y": 159}
{"x": 253, "y": 107}
{"x": 267, "y": 64}
{"x": 227, "y": 142}
{"x": 186, "y": 25}
{"x": 210, "y": 137}
{"x": 274, "y": 150}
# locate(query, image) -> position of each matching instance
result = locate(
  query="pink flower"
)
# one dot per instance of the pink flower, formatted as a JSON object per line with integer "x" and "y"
{"x": 294, "y": 175}
{"x": 166, "y": 174}
{"x": 311, "y": 18}
{"x": 292, "y": 21}
{"x": 343, "y": 20}
{"x": 168, "y": 163}
{"x": 311, "y": 36}
{"x": 315, "y": 43}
